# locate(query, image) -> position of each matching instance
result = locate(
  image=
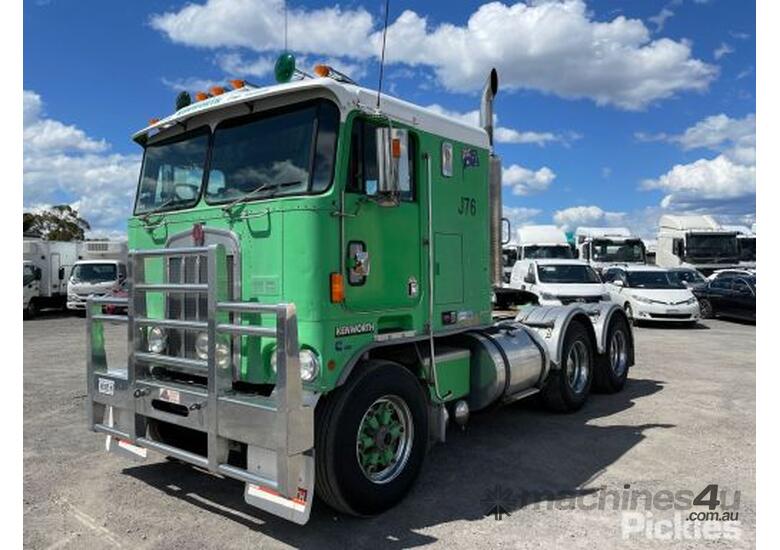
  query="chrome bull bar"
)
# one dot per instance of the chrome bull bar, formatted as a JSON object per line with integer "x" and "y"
{"x": 278, "y": 430}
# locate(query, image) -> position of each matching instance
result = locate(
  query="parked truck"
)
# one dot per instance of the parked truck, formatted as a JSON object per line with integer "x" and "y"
{"x": 100, "y": 270}
{"x": 605, "y": 246}
{"x": 309, "y": 314}
{"x": 696, "y": 241}
{"x": 746, "y": 244}
{"x": 45, "y": 265}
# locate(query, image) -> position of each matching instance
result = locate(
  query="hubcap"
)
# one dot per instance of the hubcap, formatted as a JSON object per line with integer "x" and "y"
{"x": 384, "y": 439}
{"x": 577, "y": 366}
{"x": 618, "y": 352}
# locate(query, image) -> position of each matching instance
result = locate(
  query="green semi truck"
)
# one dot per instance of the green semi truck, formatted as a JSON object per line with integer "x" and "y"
{"x": 309, "y": 296}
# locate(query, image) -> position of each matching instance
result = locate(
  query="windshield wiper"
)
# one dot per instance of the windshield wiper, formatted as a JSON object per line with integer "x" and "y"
{"x": 255, "y": 191}
{"x": 145, "y": 217}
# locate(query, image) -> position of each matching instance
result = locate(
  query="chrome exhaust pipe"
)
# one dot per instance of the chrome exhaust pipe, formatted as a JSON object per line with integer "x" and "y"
{"x": 494, "y": 178}
{"x": 486, "y": 104}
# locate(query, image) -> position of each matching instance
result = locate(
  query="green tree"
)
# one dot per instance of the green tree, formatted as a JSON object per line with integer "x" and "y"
{"x": 58, "y": 223}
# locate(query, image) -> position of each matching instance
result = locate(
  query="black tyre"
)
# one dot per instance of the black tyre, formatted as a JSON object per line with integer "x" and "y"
{"x": 612, "y": 368}
{"x": 567, "y": 388}
{"x": 32, "y": 310}
{"x": 371, "y": 438}
{"x": 705, "y": 309}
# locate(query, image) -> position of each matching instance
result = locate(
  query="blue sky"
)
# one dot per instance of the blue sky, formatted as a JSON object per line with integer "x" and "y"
{"x": 610, "y": 112}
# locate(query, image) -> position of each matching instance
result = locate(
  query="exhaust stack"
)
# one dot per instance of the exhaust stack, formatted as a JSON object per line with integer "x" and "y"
{"x": 494, "y": 178}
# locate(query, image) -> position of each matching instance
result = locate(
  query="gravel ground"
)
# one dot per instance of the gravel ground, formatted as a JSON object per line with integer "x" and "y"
{"x": 685, "y": 420}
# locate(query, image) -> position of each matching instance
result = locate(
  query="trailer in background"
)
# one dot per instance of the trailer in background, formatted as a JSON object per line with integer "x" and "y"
{"x": 45, "y": 266}
{"x": 100, "y": 270}
{"x": 696, "y": 241}
{"x": 746, "y": 244}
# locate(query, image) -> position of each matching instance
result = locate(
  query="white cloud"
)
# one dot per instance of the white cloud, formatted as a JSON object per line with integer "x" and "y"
{"x": 723, "y": 49}
{"x": 576, "y": 216}
{"x": 725, "y": 183}
{"x": 234, "y": 64}
{"x": 660, "y": 19}
{"x": 508, "y": 135}
{"x": 526, "y": 182}
{"x": 706, "y": 181}
{"x": 42, "y": 134}
{"x": 519, "y": 216}
{"x": 190, "y": 84}
{"x": 63, "y": 165}
{"x": 553, "y": 46}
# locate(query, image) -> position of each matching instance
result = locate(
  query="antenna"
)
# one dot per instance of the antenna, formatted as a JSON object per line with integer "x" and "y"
{"x": 285, "y": 25}
{"x": 382, "y": 61}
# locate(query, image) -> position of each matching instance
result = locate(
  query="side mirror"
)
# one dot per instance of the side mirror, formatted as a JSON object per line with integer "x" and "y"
{"x": 529, "y": 276}
{"x": 37, "y": 273}
{"x": 508, "y": 234}
{"x": 677, "y": 248}
{"x": 585, "y": 253}
{"x": 61, "y": 273}
{"x": 392, "y": 153}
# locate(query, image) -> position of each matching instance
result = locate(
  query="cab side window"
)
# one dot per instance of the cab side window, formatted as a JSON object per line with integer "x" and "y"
{"x": 609, "y": 276}
{"x": 363, "y": 169}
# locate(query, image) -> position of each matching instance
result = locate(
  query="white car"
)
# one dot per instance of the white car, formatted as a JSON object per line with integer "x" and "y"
{"x": 649, "y": 293}
{"x": 558, "y": 282}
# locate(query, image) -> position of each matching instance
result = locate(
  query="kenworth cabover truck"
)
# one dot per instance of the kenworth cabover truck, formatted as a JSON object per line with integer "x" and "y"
{"x": 535, "y": 242}
{"x": 696, "y": 241}
{"x": 309, "y": 282}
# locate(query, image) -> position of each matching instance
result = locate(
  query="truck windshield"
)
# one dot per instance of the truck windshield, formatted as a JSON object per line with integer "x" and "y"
{"x": 172, "y": 173}
{"x": 628, "y": 251}
{"x": 28, "y": 274}
{"x": 534, "y": 252}
{"x": 747, "y": 249}
{"x": 285, "y": 151}
{"x": 563, "y": 273}
{"x": 93, "y": 273}
{"x": 282, "y": 152}
{"x": 711, "y": 247}
{"x": 653, "y": 279}
{"x": 509, "y": 256}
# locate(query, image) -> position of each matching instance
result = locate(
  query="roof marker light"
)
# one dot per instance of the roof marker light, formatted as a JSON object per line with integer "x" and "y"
{"x": 322, "y": 71}
{"x": 217, "y": 90}
{"x": 200, "y": 96}
{"x": 237, "y": 83}
{"x": 153, "y": 121}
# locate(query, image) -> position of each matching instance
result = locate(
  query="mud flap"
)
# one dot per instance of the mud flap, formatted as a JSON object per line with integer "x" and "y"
{"x": 296, "y": 509}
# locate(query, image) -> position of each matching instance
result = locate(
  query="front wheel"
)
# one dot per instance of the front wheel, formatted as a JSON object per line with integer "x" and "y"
{"x": 567, "y": 388}
{"x": 705, "y": 309}
{"x": 32, "y": 310}
{"x": 371, "y": 439}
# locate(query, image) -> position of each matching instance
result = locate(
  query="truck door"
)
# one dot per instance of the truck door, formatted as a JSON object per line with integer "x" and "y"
{"x": 383, "y": 243}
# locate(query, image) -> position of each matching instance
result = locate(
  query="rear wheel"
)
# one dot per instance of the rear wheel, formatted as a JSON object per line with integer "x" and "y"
{"x": 32, "y": 310}
{"x": 567, "y": 388}
{"x": 371, "y": 439}
{"x": 612, "y": 369}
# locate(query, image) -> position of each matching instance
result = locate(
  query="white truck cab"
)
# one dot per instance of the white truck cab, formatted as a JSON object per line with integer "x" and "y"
{"x": 555, "y": 282}
{"x": 102, "y": 269}
{"x": 605, "y": 246}
{"x": 696, "y": 241}
{"x": 535, "y": 241}
{"x": 746, "y": 244}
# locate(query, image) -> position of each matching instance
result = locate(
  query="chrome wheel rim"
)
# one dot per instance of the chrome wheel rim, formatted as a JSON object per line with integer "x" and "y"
{"x": 618, "y": 352}
{"x": 384, "y": 439}
{"x": 578, "y": 366}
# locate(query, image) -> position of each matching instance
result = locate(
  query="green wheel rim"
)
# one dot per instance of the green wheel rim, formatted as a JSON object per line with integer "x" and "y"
{"x": 384, "y": 439}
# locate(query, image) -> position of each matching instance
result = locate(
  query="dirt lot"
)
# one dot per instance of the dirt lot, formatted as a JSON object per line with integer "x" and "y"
{"x": 685, "y": 420}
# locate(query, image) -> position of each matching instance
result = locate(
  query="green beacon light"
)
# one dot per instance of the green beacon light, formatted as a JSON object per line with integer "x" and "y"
{"x": 284, "y": 69}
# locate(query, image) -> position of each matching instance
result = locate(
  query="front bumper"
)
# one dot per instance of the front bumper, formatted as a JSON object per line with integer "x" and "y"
{"x": 663, "y": 313}
{"x": 276, "y": 431}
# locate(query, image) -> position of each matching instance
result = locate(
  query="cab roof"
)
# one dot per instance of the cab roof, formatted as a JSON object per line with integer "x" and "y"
{"x": 348, "y": 96}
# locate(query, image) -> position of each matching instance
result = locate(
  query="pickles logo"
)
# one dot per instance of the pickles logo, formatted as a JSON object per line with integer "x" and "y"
{"x": 352, "y": 330}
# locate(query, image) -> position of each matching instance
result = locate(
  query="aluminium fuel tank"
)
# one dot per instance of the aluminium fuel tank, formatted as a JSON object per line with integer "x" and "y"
{"x": 506, "y": 359}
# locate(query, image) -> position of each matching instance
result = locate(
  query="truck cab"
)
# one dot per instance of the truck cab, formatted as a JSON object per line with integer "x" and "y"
{"x": 31, "y": 285}
{"x": 101, "y": 269}
{"x": 746, "y": 244}
{"x": 696, "y": 241}
{"x": 605, "y": 246}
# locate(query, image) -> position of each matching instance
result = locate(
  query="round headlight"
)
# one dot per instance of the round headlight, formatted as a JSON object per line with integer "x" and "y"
{"x": 222, "y": 355}
{"x": 156, "y": 339}
{"x": 202, "y": 346}
{"x": 310, "y": 365}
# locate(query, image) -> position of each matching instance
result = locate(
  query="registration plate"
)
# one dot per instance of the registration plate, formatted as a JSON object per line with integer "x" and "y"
{"x": 171, "y": 396}
{"x": 105, "y": 386}
{"x": 672, "y": 311}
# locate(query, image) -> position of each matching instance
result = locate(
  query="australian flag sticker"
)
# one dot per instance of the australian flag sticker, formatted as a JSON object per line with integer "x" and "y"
{"x": 470, "y": 158}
